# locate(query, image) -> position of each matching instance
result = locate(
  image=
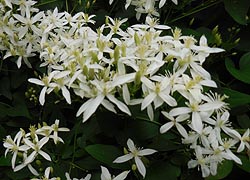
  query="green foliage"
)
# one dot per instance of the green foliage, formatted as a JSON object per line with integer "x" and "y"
{"x": 101, "y": 140}
{"x": 242, "y": 73}
{"x": 106, "y": 154}
{"x": 238, "y": 10}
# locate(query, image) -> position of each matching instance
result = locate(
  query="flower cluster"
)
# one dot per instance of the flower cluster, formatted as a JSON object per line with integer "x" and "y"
{"x": 145, "y": 6}
{"x": 25, "y": 147}
{"x": 117, "y": 69}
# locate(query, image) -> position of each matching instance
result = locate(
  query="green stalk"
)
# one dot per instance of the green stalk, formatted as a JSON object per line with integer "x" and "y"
{"x": 195, "y": 10}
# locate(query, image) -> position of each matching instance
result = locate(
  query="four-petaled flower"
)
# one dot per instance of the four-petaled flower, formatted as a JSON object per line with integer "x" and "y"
{"x": 135, "y": 153}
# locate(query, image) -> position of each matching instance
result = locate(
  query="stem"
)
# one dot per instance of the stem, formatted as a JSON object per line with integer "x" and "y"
{"x": 74, "y": 149}
{"x": 112, "y": 8}
{"x": 195, "y": 10}
{"x": 1, "y": 64}
{"x": 44, "y": 3}
{"x": 67, "y": 5}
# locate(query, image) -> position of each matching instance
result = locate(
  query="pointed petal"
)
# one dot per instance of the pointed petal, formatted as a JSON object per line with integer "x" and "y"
{"x": 181, "y": 130}
{"x": 197, "y": 122}
{"x": 45, "y": 155}
{"x": 105, "y": 173}
{"x": 92, "y": 107}
{"x": 42, "y": 96}
{"x": 122, "y": 176}
{"x": 145, "y": 152}
{"x": 66, "y": 94}
{"x": 123, "y": 158}
{"x": 168, "y": 99}
{"x": 140, "y": 166}
{"x": 179, "y": 110}
{"x": 147, "y": 100}
{"x": 164, "y": 128}
{"x": 131, "y": 145}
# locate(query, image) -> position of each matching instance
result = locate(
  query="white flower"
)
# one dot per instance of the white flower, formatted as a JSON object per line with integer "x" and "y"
{"x": 86, "y": 178}
{"x": 37, "y": 149}
{"x": 135, "y": 153}
{"x": 46, "y": 175}
{"x": 15, "y": 146}
{"x": 198, "y": 109}
{"x": 244, "y": 141}
{"x": 158, "y": 93}
{"x": 46, "y": 82}
{"x": 104, "y": 89}
{"x": 29, "y": 22}
{"x": 107, "y": 176}
{"x": 22, "y": 165}
{"x": 174, "y": 122}
{"x": 55, "y": 129}
{"x": 201, "y": 161}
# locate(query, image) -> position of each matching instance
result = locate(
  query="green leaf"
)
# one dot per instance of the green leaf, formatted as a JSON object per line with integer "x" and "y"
{"x": 223, "y": 170}
{"x": 244, "y": 121}
{"x": 164, "y": 142}
{"x": 5, "y": 161}
{"x": 18, "y": 78}
{"x": 162, "y": 170}
{"x": 245, "y": 163}
{"x": 106, "y": 154}
{"x": 243, "y": 73}
{"x": 236, "y": 98}
{"x": 88, "y": 163}
{"x": 3, "y": 109}
{"x": 238, "y": 10}
{"x": 142, "y": 130}
{"x": 5, "y": 87}
{"x": 19, "y": 107}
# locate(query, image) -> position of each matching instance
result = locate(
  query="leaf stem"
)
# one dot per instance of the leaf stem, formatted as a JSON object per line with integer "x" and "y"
{"x": 195, "y": 10}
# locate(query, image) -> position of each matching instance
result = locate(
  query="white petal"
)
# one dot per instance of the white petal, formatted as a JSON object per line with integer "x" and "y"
{"x": 162, "y": 2}
{"x": 140, "y": 166}
{"x": 197, "y": 122}
{"x": 181, "y": 130}
{"x": 145, "y": 152}
{"x": 205, "y": 171}
{"x": 19, "y": 167}
{"x": 119, "y": 104}
{"x": 131, "y": 145}
{"x": 150, "y": 112}
{"x": 109, "y": 106}
{"x": 148, "y": 83}
{"x": 45, "y": 155}
{"x": 92, "y": 107}
{"x": 192, "y": 163}
{"x": 164, "y": 128}
{"x": 125, "y": 94}
{"x": 147, "y": 100}
{"x": 66, "y": 94}
{"x": 36, "y": 81}
{"x": 83, "y": 107}
{"x": 105, "y": 174}
{"x": 122, "y": 176}
{"x": 179, "y": 110}
{"x": 13, "y": 160}
{"x": 123, "y": 158}
{"x": 168, "y": 99}
{"x": 32, "y": 170}
{"x": 30, "y": 158}
{"x": 42, "y": 96}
